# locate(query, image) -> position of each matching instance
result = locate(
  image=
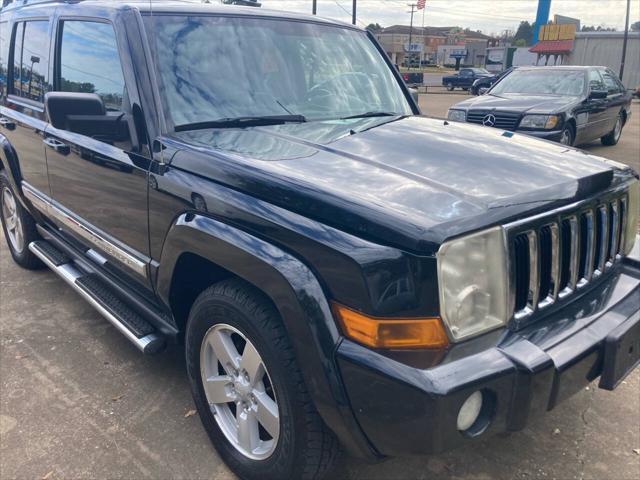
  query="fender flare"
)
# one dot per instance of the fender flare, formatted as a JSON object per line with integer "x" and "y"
{"x": 9, "y": 161}
{"x": 296, "y": 293}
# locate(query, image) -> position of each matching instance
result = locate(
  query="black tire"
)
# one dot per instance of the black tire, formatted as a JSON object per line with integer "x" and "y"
{"x": 568, "y": 135}
{"x": 450, "y": 87}
{"x": 305, "y": 448}
{"x": 614, "y": 135}
{"x": 23, "y": 257}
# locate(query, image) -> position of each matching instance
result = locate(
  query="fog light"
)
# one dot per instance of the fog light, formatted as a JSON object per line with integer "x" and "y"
{"x": 469, "y": 411}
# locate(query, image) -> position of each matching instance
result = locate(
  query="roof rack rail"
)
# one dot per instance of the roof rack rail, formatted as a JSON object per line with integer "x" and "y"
{"x": 7, "y": 4}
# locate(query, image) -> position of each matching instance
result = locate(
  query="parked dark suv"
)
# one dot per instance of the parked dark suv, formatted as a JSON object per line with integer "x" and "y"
{"x": 260, "y": 187}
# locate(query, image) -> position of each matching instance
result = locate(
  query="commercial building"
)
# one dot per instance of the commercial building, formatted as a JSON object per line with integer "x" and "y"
{"x": 471, "y": 53}
{"x": 605, "y": 49}
{"x": 426, "y": 43}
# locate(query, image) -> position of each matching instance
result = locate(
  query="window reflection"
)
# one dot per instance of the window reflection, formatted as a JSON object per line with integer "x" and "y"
{"x": 89, "y": 62}
{"x": 212, "y": 68}
{"x": 31, "y": 60}
{"x": 4, "y": 56}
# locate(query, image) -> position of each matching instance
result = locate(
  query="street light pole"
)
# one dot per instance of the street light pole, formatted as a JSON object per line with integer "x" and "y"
{"x": 314, "y": 7}
{"x": 413, "y": 10}
{"x": 624, "y": 42}
{"x": 353, "y": 15}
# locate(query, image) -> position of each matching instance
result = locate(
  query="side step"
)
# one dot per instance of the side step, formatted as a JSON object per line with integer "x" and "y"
{"x": 133, "y": 326}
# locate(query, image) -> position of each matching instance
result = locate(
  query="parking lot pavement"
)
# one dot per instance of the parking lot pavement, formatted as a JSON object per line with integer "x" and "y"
{"x": 78, "y": 401}
{"x": 626, "y": 151}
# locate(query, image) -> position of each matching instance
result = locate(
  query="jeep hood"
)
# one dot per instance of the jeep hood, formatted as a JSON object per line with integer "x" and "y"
{"x": 412, "y": 181}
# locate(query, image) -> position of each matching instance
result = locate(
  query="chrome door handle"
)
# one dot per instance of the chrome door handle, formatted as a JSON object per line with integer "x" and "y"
{"x": 8, "y": 124}
{"x": 57, "y": 145}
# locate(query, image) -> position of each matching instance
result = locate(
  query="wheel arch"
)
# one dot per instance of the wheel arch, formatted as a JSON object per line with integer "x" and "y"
{"x": 9, "y": 162}
{"x": 213, "y": 250}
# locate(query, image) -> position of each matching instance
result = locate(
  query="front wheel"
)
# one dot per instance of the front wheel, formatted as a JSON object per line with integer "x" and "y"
{"x": 613, "y": 136}
{"x": 450, "y": 86}
{"x": 248, "y": 388}
{"x": 568, "y": 136}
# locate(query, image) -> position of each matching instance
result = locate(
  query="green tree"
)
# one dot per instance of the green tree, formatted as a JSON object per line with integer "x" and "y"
{"x": 635, "y": 26}
{"x": 374, "y": 27}
{"x": 524, "y": 32}
{"x": 599, "y": 28}
{"x": 521, "y": 42}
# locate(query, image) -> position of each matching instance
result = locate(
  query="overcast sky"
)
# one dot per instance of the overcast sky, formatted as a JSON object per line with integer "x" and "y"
{"x": 490, "y": 16}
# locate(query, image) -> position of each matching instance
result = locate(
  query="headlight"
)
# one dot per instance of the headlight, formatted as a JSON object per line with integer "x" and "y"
{"x": 472, "y": 276}
{"x": 633, "y": 207}
{"x": 457, "y": 115}
{"x": 542, "y": 122}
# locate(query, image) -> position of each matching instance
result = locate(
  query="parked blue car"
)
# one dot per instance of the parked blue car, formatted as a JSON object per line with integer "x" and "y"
{"x": 465, "y": 78}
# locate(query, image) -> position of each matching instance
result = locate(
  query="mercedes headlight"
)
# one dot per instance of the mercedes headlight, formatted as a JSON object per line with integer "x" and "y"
{"x": 457, "y": 115}
{"x": 633, "y": 209}
{"x": 541, "y": 122}
{"x": 473, "y": 282}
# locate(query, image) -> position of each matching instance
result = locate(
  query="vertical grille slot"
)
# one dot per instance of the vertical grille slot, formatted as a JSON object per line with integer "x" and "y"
{"x": 623, "y": 223}
{"x": 575, "y": 252}
{"x": 602, "y": 234}
{"x": 612, "y": 246}
{"x": 614, "y": 235}
{"x": 587, "y": 250}
{"x": 534, "y": 270}
{"x": 545, "y": 261}
{"x": 565, "y": 253}
{"x": 521, "y": 264}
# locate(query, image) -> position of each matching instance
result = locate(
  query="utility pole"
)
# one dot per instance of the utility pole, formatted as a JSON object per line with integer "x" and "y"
{"x": 413, "y": 10}
{"x": 314, "y": 7}
{"x": 624, "y": 42}
{"x": 353, "y": 15}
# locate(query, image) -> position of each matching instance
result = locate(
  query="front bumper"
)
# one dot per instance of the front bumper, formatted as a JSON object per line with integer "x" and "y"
{"x": 407, "y": 410}
{"x": 553, "y": 135}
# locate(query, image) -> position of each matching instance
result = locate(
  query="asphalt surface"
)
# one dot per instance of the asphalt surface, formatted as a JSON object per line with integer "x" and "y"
{"x": 78, "y": 401}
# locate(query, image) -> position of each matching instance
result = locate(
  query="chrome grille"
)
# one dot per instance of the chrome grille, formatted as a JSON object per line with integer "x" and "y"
{"x": 551, "y": 258}
{"x": 503, "y": 120}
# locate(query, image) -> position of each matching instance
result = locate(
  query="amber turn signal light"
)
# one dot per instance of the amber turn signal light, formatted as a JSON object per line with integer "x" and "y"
{"x": 396, "y": 333}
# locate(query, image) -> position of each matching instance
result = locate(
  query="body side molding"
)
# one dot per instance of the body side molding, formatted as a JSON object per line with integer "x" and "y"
{"x": 136, "y": 262}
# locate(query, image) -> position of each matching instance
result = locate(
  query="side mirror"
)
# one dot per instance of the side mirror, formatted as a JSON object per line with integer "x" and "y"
{"x": 595, "y": 94}
{"x": 85, "y": 113}
{"x": 61, "y": 105}
{"x": 414, "y": 94}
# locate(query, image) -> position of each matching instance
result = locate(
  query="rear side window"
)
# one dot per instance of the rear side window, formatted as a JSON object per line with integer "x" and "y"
{"x": 31, "y": 60}
{"x": 89, "y": 62}
{"x": 4, "y": 57}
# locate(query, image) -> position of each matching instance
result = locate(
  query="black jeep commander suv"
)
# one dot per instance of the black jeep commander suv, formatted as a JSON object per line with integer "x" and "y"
{"x": 260, "y": 187}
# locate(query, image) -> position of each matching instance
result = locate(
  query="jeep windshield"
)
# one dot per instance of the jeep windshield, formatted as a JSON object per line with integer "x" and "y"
{"x": 216, "y": 70}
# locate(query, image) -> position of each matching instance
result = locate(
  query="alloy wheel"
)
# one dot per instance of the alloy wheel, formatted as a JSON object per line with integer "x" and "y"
{"x": 617, "y": 130}
{"x": 12, "y": 220}
{"x": 566, "y": 138}
{"x": 239, "y": 391}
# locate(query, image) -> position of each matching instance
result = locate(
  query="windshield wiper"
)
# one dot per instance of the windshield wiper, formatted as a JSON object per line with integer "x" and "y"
{"x": 371, "y": 114}
{"x": 242, "y": 122}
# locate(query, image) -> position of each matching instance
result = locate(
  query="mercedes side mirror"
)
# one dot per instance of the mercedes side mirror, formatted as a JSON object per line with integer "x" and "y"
{"x": 414, "y": 94}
